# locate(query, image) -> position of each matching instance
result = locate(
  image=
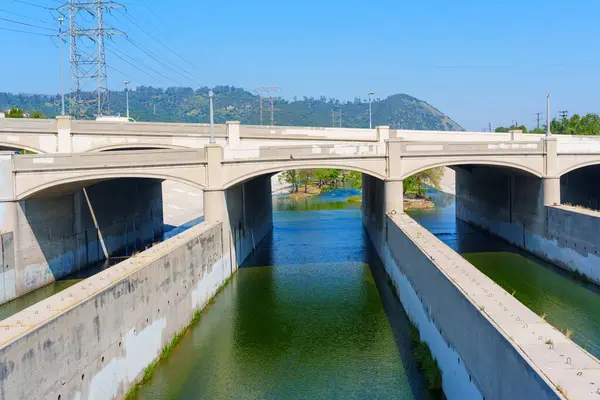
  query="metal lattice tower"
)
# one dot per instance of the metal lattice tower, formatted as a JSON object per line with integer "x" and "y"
{"x": 261, "y": 90}
{"x": 88, "y": 77}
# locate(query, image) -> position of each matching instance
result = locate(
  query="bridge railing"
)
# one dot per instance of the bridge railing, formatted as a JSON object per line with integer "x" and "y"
{"x": 568, "y": 144}
{"x": 307, "y": 133}
{"x": 24, "y": 163}
{"x": 303, "y": 152}
{"x": 117, "y": 128}
{"x": 27, "y": 125}
{"x": 453, "y": 136}
{"x": 419, "y": 148}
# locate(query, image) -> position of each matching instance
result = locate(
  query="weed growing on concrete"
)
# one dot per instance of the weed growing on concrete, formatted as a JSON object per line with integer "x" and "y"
{"x": 514, "y": 292}
{"x": 425, "y": 361}
{"x": 549, "y": 342}
{"x": 482, "y": 308}
{"x": 569, "y": 333}
{"x": 544, "y": 315}
{"x": 562, "y": 391}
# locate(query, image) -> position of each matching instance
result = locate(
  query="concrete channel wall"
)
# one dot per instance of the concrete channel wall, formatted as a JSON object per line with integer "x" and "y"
{"x": 94, "y": 340}
{"x": 55, "y": 236}
{"x": 510, "y": 205}
{"x": 487, "y": 344}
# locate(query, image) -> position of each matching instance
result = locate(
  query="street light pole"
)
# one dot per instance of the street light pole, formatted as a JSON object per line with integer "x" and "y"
{"x": 62, "y": 83}
{"x": 370, "y": 115}
{"x": 127, "y": 97}
{"x": 548, "y": 133}
{"x": 212, "y": 121}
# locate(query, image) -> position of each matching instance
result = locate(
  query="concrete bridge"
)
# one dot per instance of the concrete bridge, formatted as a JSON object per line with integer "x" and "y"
{"x": 78, "y": 201}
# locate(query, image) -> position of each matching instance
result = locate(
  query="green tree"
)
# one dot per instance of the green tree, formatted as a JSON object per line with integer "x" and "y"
{"x": 37, "y": 115}
{"x": 15, "y": 113}
{"x": 290, "y": 177}
{"x": 355, "y": 179}
{"x": 305, "y": 176}
{"x": 430, "y": 177}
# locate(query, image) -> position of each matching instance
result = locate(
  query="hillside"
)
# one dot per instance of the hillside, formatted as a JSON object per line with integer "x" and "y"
{"x": 400, "y": 111}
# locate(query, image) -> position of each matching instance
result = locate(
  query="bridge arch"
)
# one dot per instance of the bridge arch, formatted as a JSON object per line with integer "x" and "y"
{"x": 16, "y": 147}
{"x": 71, "y": 184}
{"x": 246, "y": 176}
{"x": 467, "y": 162}
{"x": 135, "y": 146}
{"x": 581, "y": 165}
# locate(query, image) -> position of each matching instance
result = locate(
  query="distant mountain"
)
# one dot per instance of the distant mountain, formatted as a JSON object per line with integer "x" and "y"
{"x": 399, "y": 111}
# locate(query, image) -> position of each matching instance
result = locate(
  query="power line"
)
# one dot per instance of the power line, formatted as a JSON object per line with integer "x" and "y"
{"x": 31, "y": 4}
{"x": 26, "y": 24}
{"x": 26, "y": 32}
{"x": 24, "y": 16}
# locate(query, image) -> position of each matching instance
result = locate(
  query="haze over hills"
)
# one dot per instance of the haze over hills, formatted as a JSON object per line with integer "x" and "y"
{"x": 178, "y": 104}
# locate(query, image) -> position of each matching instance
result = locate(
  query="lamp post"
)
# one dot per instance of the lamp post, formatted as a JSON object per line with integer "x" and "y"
{"x": 370, "y": 115}
{"x": 212, "y": 121}
{"x": 62, "y": 83}
{"x": 548, "y": 133}
{"x": 127, "y": 97}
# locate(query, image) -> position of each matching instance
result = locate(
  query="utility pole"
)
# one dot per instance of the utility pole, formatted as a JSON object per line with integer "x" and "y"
{"x": 370, "y": 115}
{"x": 62, "y": 81}
{"x": 548, "y": 132}
{"x": 127, "y": 97}
{"x": 88, "y": 73}
{"x": 563, "y": 114}
{"x": 212, "y": 120}
{"x": 537, "y": 117}
{"x": 261, "y": 90}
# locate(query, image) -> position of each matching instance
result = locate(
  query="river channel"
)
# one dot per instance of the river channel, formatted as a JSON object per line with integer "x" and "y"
{"x": 309, "y": 316}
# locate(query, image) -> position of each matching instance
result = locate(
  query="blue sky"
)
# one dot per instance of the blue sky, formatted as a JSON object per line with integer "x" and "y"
{"x": 477, "y": 61}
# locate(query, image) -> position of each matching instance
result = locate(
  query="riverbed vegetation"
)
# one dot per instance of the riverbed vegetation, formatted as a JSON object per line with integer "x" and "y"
{"x": 425, "y": 361}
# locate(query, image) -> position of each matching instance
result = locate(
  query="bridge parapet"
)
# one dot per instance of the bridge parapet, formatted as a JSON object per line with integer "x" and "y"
{"x": 307, "y": 133}
{"x": 27, "y": 125}
{"x": 304, "y": 151}
{"x": 117, "y": 128}
{"x": 408, "y": 148}
{"x": 46, "y": 162}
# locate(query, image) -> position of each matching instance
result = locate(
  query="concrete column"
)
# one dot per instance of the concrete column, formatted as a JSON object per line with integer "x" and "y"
{"x": 63, "y": 127}
{"x": 551, "y": 182}
{"x": 394, "y": 155}
{"x": 394, "y": 196}
{"x": 233, "y": 133}
{"x": 551, "y": 191}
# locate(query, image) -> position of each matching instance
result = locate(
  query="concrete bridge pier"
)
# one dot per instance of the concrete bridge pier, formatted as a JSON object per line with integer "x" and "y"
{"x": 394, "y": 195}
{"x": 551, "y": 188}
{"x": 245, "y": 209}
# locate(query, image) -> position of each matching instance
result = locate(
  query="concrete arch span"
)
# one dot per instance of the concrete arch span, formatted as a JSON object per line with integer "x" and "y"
{"x": 538, "y": 172}
{"x": 7, "y": 146}
{"x": 136, "y": 146}
{"x": 236, "y": 173}
{"x": 74, "y": 183}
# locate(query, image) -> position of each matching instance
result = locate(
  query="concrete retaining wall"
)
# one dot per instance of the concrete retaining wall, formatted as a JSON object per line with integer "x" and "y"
{"x": 49, "y": 238}
{"x": 487, "y": 344}
{"x": 94, "y": 340}
{"x": 510, "y": 205}
{"x": 250, "y": 210}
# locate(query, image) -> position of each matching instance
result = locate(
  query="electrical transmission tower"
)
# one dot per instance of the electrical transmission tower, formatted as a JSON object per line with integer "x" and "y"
{"x": 88, "y": 77}
{"x": 537, "y": 117}
{"x": 563, "y": 114}
{"x": 336, "y": 118}
{"x": 261, "y": 90}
